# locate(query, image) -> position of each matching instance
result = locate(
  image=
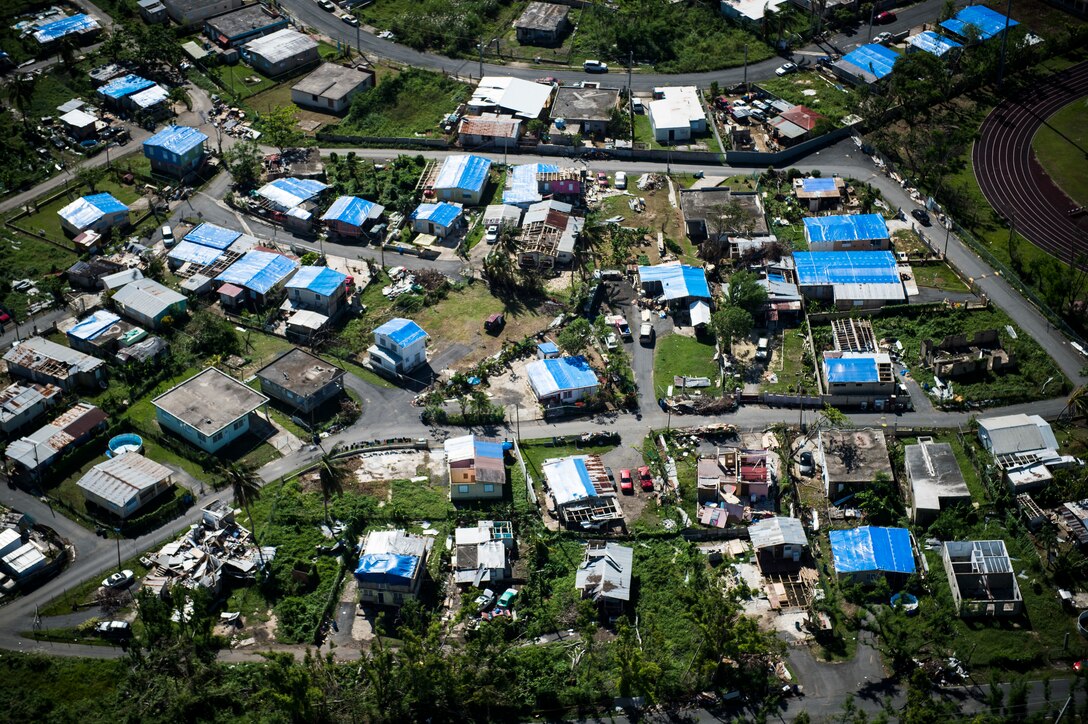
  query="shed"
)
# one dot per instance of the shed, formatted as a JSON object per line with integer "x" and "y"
{"x": 868, "y": 552}
{"x": 562, "y": 380}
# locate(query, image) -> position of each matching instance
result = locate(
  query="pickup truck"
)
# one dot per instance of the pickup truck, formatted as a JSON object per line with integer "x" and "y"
{"x": 621, "y": 325}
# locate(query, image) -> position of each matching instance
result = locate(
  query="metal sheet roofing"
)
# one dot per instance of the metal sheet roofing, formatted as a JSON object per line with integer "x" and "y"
{"x": 846, "y": 267}
{"x": 24, "y": 559}
{"x": 177, "y": 139}
{"x": 521, "y": 185}
{"x": 94, "y": 325}
{"x": 121, "y": 479}
{"x": 84, "y": 211}
{"x": 845, "y": 227}
{"x": 677, "y": 280}
{"x": 353, "y": 210}
{"x": 818, "y": 185}
{"x": 988, "y": 22}
{"x": 859, "y": 368}
{"x": 78, "y": 119}
{"x": 210, "y": 235}
{"x": 318, "y": 279}
{"x": 606, "y": 572}
{"x": 932, "y": 43}
{"x": 463, "y": 172}
{"x": 152, "y": 96}
{"x": 1017, "y": 433}
{"x": 870, "y": 549}
{"x": 125, "y": 85}
{"x": 699, "y": 311}
{"x": 402, "y": 332}
{"x": 38, "y": 353}
{"x": 550, "y": 376}
{"x": 258, "y": 270}
{"x": 188, "y": 251}
{"x": 521, "y": 97}
{"x": 872, "y": 58}
{"x": 288, "y": 192}
{"x": 470, "y": 447}
{"x": 281, "y": 45}
{"x": 777, "y": 531}
{"x": 65, "y": 26}
{"x": 147, "y": 297}
{"x": 443, "y": 213}
{"x": 568, "y": 479}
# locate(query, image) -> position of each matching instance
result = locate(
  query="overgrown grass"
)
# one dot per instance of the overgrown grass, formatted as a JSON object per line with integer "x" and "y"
{"x": 83, "y": 593}
{"x": 788, "y": 362}
{"x": 393, "y": 108}
{"x": 677, "y": 355}
{"x": 42, "y": 688}
{"x": 938, "y": 276}
{"x": 831, "y": 101}
{"x": 421, "y": 500}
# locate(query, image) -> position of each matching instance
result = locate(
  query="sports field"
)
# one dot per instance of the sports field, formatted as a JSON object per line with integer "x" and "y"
{"x": 1061, "y": 146}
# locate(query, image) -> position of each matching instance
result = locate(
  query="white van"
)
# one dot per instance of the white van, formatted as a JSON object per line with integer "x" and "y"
{"x": 621, "y": 180}
{"x": 167, "y": 235}
{"x": 763, "y": 348}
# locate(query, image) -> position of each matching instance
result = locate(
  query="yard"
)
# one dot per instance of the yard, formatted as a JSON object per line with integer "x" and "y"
{"x": 788, "y": 363}
{"x": 678, "y": 355}
{"x": 30, "y": 258}
{"x": 813, "y": 91}
{"x": 46, "y": 220}
{"x": 393, "y": 109}
{"x": 644, "y": 133}
{"x": 659, "y": 215}
{"x": 242, "y": 81}
{"x": 940, "y": 276}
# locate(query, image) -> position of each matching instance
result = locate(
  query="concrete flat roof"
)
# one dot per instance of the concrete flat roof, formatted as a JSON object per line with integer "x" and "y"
{"x": 300, "y": 372}
{"x": 854, "y": 456}
{"x": 209, "y": 401}
{"x": 585, "y": 104}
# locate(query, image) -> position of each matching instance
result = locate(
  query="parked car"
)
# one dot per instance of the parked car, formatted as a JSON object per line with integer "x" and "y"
{"x": 621, "y": 180}
{"x": 387, "y": 35}
{"x": 785, "y": 69}
{"x": 602, "y": 179}
{"x": 167, "y": 235}
{"x": 627, "y": 484}
{"x": 595, "y": 66}
{"x": 646, "y": 334}
{"x": 326, "y": 5}
{"x": 120, "y": 580}
{"x": 611, "y": 342}
{"x": 350, "y": 20}
{"x": 495, "y": 323}
{"x": 1080, "y": 666}
{"x": 922, "y": 216}
{"x": 491, "y": 235}
{"x": 5, "y": 316}
{"x": 884, "y": 18}
{"x": 645, "y": 479}
{"x": 882, "y": 38}
{"x": 113, "y": 629}
{"x": 507, "y": 598}
{"x": 485, "y": 599}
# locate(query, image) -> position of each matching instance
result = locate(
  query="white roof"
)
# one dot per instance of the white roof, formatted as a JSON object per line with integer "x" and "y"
{"x": 308, "y": 319}
{"x": 679, "y": 108}
{"x": 78, "y": 119}
{"x": 753, "y": 9}
{"x": 777, "y": 531}
{"x": 24, "y": 559}
{"x": 522, "y": 98}
{"x": 1017, "y": 433}
{"x": 152, "y": 96}
{"x": 280, "y": 45}
{"x": 121, "y": 278}
{"x": 122, "y": 478}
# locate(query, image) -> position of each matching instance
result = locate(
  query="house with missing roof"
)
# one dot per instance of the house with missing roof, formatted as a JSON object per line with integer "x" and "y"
{"x": 41, "y": 360}
{"x": 562, "y": 380}
{"x": 847, "y": 232}
{"x": 477, "y": 468}
{"x": 935, "y": 480}
{"x": 400, "y": 346}
{"x": 460, "y": 179}
{"x": 481, "y": 554}
{"x": 850, "y": 279}
{"x": 330, "y": 88}
{"x": 123, "y": 484}
{"x": 604, "y": 576}
{"x": 549, "y": 232}
{"x": 780, "y": 543}
{"x": 868, "y": 553}
{"x": 820, "y": 194}
{"x": 350, "y": 216}
{"x": 209, "y": 410}
{"x": 862, "y": 379}
{"x": 582, "y": 494}
{"x": 31, "y": 454}
{"x": 708, "y": 217}
{"x": 542, "y": 24}
{"x": 981, "y": 578}
{"x": 96, "y": 212}
{"x": 441, "y": 219}
{"x": 149, "y": 303}
{"x": 301, "y": 381}
{"x": 391, "y": 567}
{"x": 21, "y": 404}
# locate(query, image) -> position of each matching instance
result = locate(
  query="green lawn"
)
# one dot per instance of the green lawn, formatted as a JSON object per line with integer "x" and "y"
{"x": 421, "y": 500}
{"x": 938, "y": 276}
{"x": 394, "y": 107}
{"x": 788, "y": 363}
{"x": 644, "y": 133}
{"x": 537, "y": 451}
{"x": 679, "y": 355}
{"x": 47, "y": 219}
{"x": 236, "y": 79}
{"x": 27, "y": 257}
{"x": 1060, "y": 145}
{"x": 828, "y": 100}
{"x": 44, "y": 688}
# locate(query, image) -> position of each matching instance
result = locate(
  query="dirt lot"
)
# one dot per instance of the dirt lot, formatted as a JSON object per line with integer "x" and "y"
{"x": 373, "y": 470}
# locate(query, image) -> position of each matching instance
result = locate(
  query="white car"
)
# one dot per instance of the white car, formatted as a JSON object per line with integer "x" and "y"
{"x": 119, "y": 580}
{"x": 387, "y": 35}
{"x": 326, "y": 5}
{"x": 882, "y": 38}
{"x": 785, "y": 69}
{"x": 595, "y": 66}
{"x": 350, "y": 20}
{"x": 491, "y": 235}
{"x": 621, "y": 180}
{"x": 485, "y": 599}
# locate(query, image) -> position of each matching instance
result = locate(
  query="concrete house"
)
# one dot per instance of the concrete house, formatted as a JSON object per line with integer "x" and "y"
{"x": 97, "y": 212}
{"x": 779, "y": 543}
{"x": 605, "y": 576}
{"x": 300, "y": 380}
{"x": 441, "y": 219}
{"x": 152, "y": 11}
{"x": 319, "y": 289}
{"x": 80, "y": 124}
{"x": 281, "y": 52}
{"x": 851, "y": 460}
{"x": 400, "y": 346}
{"x": 489, "y": 130}
{"x": 481, "y": 555}
{"x": 562, "y": 380}
{"x": 867, "y": 553}
{"x": 209, "y": 410}
{"x": 708, "y": 215}
{"x": 981, "y": 578}
{"x": 330, "y": 88}
{"x": 148, "y": 303}
{"x": 235, "y": 28}
{"x": 187, "y": 13}
{"x": 820, "y": 194}
{"x": 124, "y": 484}
{"x": 391, "y": 567}
{"x": 176, "y": 150}
{"x": 476, "y": 468}
{"x": 860, "y": 379}
{"x": 583, "y": 495}
{"x": 677, "y": 114}
{"x": 21, "y": 404}
{"x": 542, "y": 24}
{"x": 936, "y": 482}
{"x": 462, "y": 179}
{"x": 39, "y": 360}
{"x": 584, "y": 110}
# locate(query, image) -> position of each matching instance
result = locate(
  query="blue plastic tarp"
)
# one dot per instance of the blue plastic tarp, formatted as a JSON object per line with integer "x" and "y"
{"x": 932, "y": 43}
{"x": 851, "y": 369}
{"x": 177, "y": 140}
{"x": 550, "y": 376}
{"x": 125, "y": 85}
{"x": 353, "y": 210}
{"x": 212, "y": 236}
{"x": 463, "y": 172}
{"x": 873, "y": 58}
{"x": 318, "y": 279}
{"x": 85, "y": 211}
{"x": 441, "y": 214}
{"x": 817, "y": 185}
{"x": 402, "y": 332}
{"x": 845, "y": 227}
{"x": 188, "y": 251}
{"x": 258, "y": 270}
{"x": 988, "y": 22}
{"x": 815, "y": 268}
{"x": 488, "y": 448}
{"x": 583, "y": 476}
{"x": 677, "y": 280}
{"x": 288, "y": 192}
{"x": 522, "y": 185}
{"x": 65, "y": 26}
{"x": 548, "y": 348}
{"x": 870, "y": 549}
{"x": 94, "y": 325}
{"x": 386, "y": 568}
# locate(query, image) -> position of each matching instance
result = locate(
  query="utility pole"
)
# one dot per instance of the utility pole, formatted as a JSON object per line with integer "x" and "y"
{"x": 481, "y": 47}
{"x": 118, "y": 532}
{"x": 631, "y": 96}
{"x": 746, "y": 67}
{"x": 872, "y": 12}
{"x": 1004, "y": 44}
{"x": 358, "y": 45}
{"x": 947, "y": 233}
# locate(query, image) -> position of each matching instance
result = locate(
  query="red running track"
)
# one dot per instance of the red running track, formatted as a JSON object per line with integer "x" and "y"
{"x": 1013, "y": 181}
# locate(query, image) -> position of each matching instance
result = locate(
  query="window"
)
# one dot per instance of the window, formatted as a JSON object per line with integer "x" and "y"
{"x": 462, "y": 489}
{"x": 202, "y": 436}
{"x": 329, "y": 101}
{"x": 217, "y": 437}
{"x": 467, "y": 195}
{"x": 313, "y": 96}
{"x": 238, "y": 424}
{"x": 489, "y": 488}
{"x": 567, "y": 394}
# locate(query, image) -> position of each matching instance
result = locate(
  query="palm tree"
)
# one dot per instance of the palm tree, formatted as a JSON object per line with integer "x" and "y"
{"x": 332, "y": 474}
{"x": 21, "y": 94}
{"x": 246, "y": 485}
{"x": 1077, "y": 406}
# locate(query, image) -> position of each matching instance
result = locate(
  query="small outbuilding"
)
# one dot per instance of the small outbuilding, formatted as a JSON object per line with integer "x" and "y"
{"x": 330, "y": 88}
{"x": 124, "y": 484}
{"x": 542, "y": 24}
{"x": 779, "y": 543}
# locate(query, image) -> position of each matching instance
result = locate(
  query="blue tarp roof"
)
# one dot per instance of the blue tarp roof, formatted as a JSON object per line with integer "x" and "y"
{"x": 463, "y": 172}
{"x": 522, "y": 185}
{"x": 989, "y": 22}
{"x": 94, "y": 325}
{"x": 212, "y": 236}
{"x": 932, "y": 43}
{"x": 288, "y": 192}
{"x": 177, "y": 139}
{"x": 125, "y": 85}
{"x": 318, "y": 279}
{"x": 488, "y": 448}
{"x": 873, "y": 58}
{"x": 677, "y": 280}
{"x": 851, "y": 369}
{"x": 188, "y": 251}
{"x": 258, "y": 270}
{"x": 443, "y": 213}
{"x": 65, "y": 26}
{"x": 845, "y": 227}
{"x": 816, "y": 185}
{"x": 352, "y": 210}
{"x": 84, "y": 211}
{"x": 382, "y": 567}
{"x": 583, "y": 476}
{"x": 866, "y": 549}
{"x": 550, "y": 376}
{"x": 548, "y": 347}
{"x": 845, "y": 267}
{"x": 402, "y": 331}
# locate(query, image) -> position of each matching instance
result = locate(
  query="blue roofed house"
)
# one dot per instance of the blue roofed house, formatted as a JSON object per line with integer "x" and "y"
{"x": 866, "y": 64}
{"x": 175, "y": 150}
{"x": 860, "y": 379}
{"x": 117, "y": 90}
{"x": 97, "y": 212}
{"x": 210, "y": 409}
{"x": 259, "y": 274}
{"x": 477, "y": 468}
{"x": 81, "y": 25}
{"x": 978, "y": 22}
{"x": 319, "y": 289}
{"x": 682, "y": 287}
{"x": 562, "y": 380}
{"x": 400, "y": 346}
{"x": 820, "y": 193}
{"x": 349, "y": 216}
{"x": 462, "y": 179}
{"x": 932, "y": 43}
{"x": 850, "y": 279}
{"x": 867, "y": 553}
{"x": 847, "y": 232}
{"x": 147, "y": 302}
{"x": 583, "y": 494}
{"x": 441, "y": 219}
{"x": 391, "y": 567}
{"x": 202, "y": 246}
{"x": 99, "y": 333}
{"x": 284, "y": 194}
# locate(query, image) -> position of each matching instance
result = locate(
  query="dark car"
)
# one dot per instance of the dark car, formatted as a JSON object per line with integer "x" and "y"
{"x": 495, "y": 323}
{"x": 884, "y": 18}
{"x": 922, "y": 216}
{"x": 806, "y": 463}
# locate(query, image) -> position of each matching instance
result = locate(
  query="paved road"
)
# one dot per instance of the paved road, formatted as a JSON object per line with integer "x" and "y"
{"x": 310, "y": 15}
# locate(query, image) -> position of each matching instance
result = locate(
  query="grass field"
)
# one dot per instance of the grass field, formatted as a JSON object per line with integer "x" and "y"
{"x": 788, "y": 363}
{"x": 1060, "y": 145}
{"x": 938, "y": 276}
{"x": 237, "y": 79}
{"x": 828, "y": 100}
{"x": 46, "y": 220}
{"x": 393, "y": 107}
{"x": 679, "y": 355}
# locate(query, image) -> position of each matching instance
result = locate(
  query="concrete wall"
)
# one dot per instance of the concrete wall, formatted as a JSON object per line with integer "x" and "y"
{"x": 208, "y": 444}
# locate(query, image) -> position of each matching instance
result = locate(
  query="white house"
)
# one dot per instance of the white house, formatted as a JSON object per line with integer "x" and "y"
{"x": 400, "y": 346}
{"x": 677, "y": 114}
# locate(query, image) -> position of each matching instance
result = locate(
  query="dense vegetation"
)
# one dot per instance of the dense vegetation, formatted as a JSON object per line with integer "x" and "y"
{"x": 411, "y": 102}
{"x": 393, "y": 186}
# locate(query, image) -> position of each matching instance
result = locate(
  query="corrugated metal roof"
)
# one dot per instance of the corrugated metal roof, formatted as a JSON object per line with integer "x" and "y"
{"x": 177, "y": 139}
{"x": 121, "y": 278}
{"x": 606, "y": 572}
{"x": 210, "y": 235}
{"x": 38, "y": 352}
{"x": 932, "y": 43}
{"x": 777, "y": 531}
{"x": 464, "y": 172}
{"x": 787, "y": 128}
{"x": 90, "y": 327}
{"x": 288, "y": 192}
{"x": 65, "y": 26}
{"x": 125, "y": 85}
{"x": 122, "y": 478}
{"x": 677, "y": 280}
{"x": 318, "y": 279}
{"x": 402, "y": 332}
{"x": 85, "y": 211}
{"x": 490, "y": 126}
{"x": 147, "y": 297}
{"x": 353, "y": 210}
{"x": 188, "y": 251}
{"x": 550, "y": 376}
{"x": 152, "y": 96}
{"x": 846, "y": 267}
{"x": 281, "y": 45}
{"x": 872, "y": 550}
{"x": 258, "y": 271}
{"x": 24, "y": 559}
{"x": 521, "y": 183}
{"x": 1017, "y": 433}
{"x": 872, "y": 58}
{"x": 443, "y": 213}
{"x": 988, "y": 22}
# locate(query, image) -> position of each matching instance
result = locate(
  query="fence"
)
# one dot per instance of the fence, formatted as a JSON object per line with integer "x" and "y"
{"x": 762, "y": 159}
{"x": 385, "y": 141}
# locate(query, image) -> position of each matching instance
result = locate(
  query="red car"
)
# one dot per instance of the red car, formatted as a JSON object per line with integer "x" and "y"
{"x": 627, "y": 485}
{"x": 645, "y": 479}
{"x": 884, "y": 18}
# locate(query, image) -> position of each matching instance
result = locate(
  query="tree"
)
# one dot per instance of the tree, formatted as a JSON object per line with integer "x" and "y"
{"x": 746, "y": 292}
{"x": 332, "y": 474}
{"x": 576, "y": 336}
{"x": 90, "y": 176}
{"x": 244, "y": 163}
{"x": 21, "y": 94}
{"x": 213, "y": 336}
{"x": 180, "y": 94}
{"x": 729, "y": 323}
{"x": 246, "y": 486}
{"x": 880, "y": 500}
{"x": 280, "y": 127}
